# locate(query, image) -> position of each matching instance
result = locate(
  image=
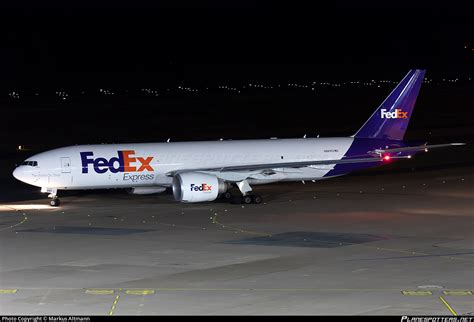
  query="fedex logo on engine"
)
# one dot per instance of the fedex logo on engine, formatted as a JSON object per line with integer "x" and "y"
{"x": 203, "y": 187}
{"x": 397, "y": 114}
{"x": 125, "y": 161}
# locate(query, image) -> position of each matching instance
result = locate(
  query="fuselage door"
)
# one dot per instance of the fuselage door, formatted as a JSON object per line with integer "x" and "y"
{"x": 65, "y": 165}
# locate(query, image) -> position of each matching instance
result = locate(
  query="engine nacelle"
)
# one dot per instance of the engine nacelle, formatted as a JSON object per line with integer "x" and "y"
{"x": 197, "y": 187}
{"x": 146, "y": 190}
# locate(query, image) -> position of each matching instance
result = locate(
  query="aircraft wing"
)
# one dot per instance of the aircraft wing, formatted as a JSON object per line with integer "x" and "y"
{"x": 370, "y": 157}
{"x": 277, "y": 165}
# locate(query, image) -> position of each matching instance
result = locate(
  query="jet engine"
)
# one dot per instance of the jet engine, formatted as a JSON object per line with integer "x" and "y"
{"x": 197, "y": 187}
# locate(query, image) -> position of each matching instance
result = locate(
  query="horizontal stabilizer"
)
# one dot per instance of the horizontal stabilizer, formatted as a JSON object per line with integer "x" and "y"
{"x": 415, "y": 148}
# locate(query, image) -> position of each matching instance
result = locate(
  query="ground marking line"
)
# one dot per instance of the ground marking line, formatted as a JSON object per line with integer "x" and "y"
{"x": 448, "y": 306}
{"x": 417, "y": 293}
{"x": 457, "y": 292}
{"x": 99, "y": 291}
{"x": 140, "y": 291}
{"x": 114, "y": 305}
{"x": 17, "y": 224}
{"x": 214, "y": 221}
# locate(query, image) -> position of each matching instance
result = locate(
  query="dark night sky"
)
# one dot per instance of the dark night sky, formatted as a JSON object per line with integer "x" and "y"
{"x": 82, "y": 46}
{"x": 129, "y": 42}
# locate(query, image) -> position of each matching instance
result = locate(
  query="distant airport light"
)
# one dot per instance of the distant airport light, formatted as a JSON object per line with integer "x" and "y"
{"x": 20, "y": 147}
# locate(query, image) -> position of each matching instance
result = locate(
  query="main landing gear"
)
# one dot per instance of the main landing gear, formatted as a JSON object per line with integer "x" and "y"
{"x": 246, "y": 198}
{"x": 252, "y": 198}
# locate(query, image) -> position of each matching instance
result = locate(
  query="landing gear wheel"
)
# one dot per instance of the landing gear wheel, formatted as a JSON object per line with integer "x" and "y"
{"x": 55, "y": 202}
{"x": 247, "y": 199}
{"x": 227, "y": 195}
{"x": 256, "y": 199}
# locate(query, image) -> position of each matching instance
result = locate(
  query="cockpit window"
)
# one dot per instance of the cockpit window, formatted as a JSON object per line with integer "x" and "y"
{"x": 30, "y": 163}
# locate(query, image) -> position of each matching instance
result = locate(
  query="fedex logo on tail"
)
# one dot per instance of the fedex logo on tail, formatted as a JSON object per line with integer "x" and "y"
{"x": 203, "y": 187}
{"x": 397, "y": 114}
{"x": 125, "y": 161}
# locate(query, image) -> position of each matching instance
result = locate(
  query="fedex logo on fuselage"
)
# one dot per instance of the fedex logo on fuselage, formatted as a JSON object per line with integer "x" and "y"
{"x": 125, "y": 161}
{"x": 397, "y": 114}
{"x": 203, "y": 187}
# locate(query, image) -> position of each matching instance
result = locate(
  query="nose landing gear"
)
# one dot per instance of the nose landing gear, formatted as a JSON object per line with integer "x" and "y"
{"x": 53, "y": 194}
{"x": 55, "y": 202}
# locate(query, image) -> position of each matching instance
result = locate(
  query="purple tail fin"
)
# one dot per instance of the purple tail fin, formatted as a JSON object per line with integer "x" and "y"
{"x": 390, "y": 120}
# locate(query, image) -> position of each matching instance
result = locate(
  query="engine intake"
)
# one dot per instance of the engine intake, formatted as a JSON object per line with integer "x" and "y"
{"x": 197, "y": 187}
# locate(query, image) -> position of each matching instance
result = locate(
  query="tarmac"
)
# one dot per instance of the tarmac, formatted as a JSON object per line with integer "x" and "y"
{"x": 382, "y": 242}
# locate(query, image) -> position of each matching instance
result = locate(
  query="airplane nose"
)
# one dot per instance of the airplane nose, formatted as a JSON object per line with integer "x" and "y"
{"x": 17, "y": 173}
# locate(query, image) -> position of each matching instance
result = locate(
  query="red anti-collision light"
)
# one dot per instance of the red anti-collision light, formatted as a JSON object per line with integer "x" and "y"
{"x": 386, "y": 158}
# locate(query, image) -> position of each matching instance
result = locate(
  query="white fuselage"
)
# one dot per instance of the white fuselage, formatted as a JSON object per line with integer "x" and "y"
{"x": 148, "y": 164}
